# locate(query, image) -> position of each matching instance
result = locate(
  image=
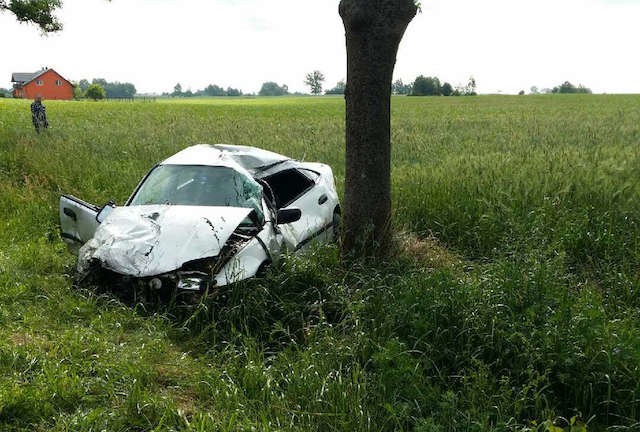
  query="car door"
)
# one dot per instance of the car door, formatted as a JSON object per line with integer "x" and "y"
{"x": 271, "y": 236}
{"x": 300, "y": 188}
{"x": 78, "y": 221}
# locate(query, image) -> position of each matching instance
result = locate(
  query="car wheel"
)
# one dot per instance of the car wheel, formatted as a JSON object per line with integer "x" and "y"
{"x": 262, "y": 270}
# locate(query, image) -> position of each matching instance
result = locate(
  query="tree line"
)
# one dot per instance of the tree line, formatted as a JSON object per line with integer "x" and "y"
{"x": 564, "y": 88}
{"x": 210, "y": 90}
{"x": 269, "y": 88}
{"x": 100, "y": 88}
{"x": 432, "y": 86}
{"x": 421, "y": 86}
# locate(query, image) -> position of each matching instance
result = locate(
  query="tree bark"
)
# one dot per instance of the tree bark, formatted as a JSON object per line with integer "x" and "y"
{"x": 373, "y": 30}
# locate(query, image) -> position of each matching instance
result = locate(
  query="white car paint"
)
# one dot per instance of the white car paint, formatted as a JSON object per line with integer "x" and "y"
{"x": 144, "y": 241}
{"x": 158, "y": 240}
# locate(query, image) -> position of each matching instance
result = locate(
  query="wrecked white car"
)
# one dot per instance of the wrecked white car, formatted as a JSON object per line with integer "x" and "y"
{"x": 207, "y": 216}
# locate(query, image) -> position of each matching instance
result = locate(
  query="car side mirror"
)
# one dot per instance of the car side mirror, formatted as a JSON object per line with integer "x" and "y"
{"x": 286, "y": 216}
{"x": 105, "y": 211}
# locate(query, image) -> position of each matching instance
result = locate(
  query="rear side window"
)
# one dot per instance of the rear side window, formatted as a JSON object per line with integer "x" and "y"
{"x": 288, "y": 186}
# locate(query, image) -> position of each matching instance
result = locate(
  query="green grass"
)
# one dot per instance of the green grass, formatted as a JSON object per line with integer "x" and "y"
{"x": 512, "y": 304}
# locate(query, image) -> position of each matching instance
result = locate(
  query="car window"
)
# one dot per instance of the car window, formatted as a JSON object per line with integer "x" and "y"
{"x": 199, "y": 186}
{"x": 288, "y": 186}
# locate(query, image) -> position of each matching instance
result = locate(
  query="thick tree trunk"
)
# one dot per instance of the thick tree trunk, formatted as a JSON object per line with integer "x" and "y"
{"x": 373, "y": 31}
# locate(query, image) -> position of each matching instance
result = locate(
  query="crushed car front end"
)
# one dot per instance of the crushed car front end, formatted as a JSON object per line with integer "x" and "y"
{"x": 173, "y": 248}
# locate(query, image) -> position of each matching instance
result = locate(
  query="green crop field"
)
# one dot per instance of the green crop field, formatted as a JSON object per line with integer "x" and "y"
{"x": 511, "y": 303}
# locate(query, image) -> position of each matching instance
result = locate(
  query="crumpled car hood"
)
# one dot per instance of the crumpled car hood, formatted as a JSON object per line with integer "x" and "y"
{"x": 150, "y": 240}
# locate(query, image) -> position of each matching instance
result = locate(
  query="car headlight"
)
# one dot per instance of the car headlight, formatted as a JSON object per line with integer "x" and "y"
{"x": 194, "y": 281}
{"x": 191, "y": 284}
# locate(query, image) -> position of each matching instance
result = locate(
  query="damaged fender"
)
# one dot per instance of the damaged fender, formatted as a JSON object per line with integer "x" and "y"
{"x": 143, "y": 241}
{"x": 243, "y": 264}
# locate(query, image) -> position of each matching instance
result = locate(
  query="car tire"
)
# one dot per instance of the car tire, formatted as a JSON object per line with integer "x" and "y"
{"x": 263, "y": 269}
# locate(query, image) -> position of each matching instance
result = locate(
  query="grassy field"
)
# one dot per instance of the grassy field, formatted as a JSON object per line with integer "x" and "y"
{"x": 512, "y": 304}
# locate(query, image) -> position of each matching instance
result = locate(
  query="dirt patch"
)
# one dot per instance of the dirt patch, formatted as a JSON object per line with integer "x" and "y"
{"x": 428, "y": 252}
{"x": 27, "y": 339}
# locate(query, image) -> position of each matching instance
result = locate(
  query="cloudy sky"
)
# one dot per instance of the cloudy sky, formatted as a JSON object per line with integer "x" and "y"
{"x": 507, "y": 45}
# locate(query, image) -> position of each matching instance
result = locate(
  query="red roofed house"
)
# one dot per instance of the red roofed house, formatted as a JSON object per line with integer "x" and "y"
{"x": 46, "y": 83}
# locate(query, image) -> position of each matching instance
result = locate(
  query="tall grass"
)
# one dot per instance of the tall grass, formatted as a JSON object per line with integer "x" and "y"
{"x": 513, "y": 304}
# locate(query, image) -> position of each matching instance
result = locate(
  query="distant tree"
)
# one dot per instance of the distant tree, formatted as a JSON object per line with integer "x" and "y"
{"x": 212, "y": 90}
{"x": 215, "y": 90}
{"x": 84, "y": 85}
{"x": 583, "y": 89}
{"x": 568, "y": 88}
{"x": 470, "y": 88}
{"x": 95, "y": 92}
{"x": 467, "y": 90}
{"x": 314, "y": 80}
{"x": 270, "y": 88}
{"x": 426, "y": 86}
{"x": 114, "y": 90}
{"x": 400, "y": 88}
{"x": 4, "y": 93}
{"x": 534, "y": 90}
{"x": 446, "y": 89}
{"x": 100, "y": 81}
{"x": 77, "y": 91}
{"x": 177, "y": 90}
{"x": 338, "y": 89}
{"x": 521, "y": 93}
{"x": 120, "y": 90}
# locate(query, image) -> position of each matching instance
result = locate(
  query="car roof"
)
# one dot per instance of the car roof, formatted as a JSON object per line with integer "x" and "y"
{"x": 251, "y": 159}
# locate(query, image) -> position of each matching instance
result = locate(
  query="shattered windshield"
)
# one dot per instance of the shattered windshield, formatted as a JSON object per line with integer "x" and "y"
{"x": 197, "y": 185}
